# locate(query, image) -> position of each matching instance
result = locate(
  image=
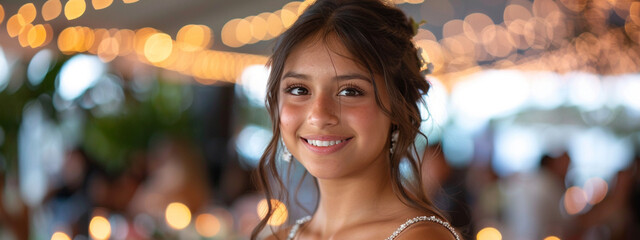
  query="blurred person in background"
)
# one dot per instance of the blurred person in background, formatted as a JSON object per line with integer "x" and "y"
{"x": 343, "y": 97}
{"x": 532, "y": 201}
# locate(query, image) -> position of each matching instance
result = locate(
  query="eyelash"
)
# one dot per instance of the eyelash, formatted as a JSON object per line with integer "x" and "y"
{"x": 353, "y": 87}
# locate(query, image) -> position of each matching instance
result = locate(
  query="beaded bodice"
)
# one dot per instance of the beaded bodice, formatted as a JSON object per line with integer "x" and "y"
{"x": 294, "y": 229}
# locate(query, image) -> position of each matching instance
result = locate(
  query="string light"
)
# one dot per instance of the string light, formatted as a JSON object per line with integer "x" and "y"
{"x": 51, "y": 9}
{"x": 178, "y": 215}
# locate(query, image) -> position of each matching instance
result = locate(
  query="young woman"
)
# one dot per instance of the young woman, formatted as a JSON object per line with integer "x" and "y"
{"x": 343, "y": 96}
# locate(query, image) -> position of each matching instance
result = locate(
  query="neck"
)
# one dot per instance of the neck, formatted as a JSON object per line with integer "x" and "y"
{"x": 364, "y": 198}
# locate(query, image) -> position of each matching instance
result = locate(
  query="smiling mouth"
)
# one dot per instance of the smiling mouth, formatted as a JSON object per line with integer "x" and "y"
{"x": 320, "y": 143}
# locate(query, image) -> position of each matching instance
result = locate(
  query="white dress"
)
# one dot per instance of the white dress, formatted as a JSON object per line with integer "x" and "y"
{"x": 294, "y": 229}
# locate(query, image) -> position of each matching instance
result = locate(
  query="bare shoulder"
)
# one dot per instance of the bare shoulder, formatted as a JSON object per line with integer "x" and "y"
{"x": 426, "y": 230}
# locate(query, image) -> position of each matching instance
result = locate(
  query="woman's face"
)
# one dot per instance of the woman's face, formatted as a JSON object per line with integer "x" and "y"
{"x": 329, "y": 118}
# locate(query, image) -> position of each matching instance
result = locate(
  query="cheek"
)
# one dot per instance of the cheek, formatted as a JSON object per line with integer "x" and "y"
{"x": 368, "y": 118}
{"x": 290, "y": 117}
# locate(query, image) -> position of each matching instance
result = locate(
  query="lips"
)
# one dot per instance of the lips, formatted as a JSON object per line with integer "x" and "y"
{"x": 325, "y": 144}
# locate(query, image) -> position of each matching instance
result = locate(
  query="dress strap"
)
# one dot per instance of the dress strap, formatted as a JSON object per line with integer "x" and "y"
{"x": 420, "y": 219}
{"x": 294, "y": 229}
{"x": 299, "y": 222}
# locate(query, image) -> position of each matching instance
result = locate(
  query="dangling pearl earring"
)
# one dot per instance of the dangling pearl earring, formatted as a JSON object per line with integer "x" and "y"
{"x": 286, "y": 155}
{"x": 394, "y": 138}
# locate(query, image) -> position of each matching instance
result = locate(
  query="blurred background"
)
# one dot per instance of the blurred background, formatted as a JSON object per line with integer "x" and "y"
{"x": 141, "y": 119}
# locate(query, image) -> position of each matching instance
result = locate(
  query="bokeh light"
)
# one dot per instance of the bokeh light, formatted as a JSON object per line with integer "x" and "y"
{"x": 194, "y": 37}
{"x": 51, "y": 9}
{"x": 37, "y": 36}
{"x": 552, "y": 238}
{"x": 489, "y": 233}
{"x": 596, "y": 190}
{"x": 575, "y": 200}
{"x": 28, "y": 12}
{"x": 1, "y": 13}
{"x": 100, "y": 228}
{"x": 101, "y": 4}
{"x": 158, "y": 47}
{"x": 60, "y": 236}
{"x": 74, "y": 9}
{"x": 280, "y": 212}
{"x": 208, "y": 225}
{"x": 177, "y": 215}
{"x": 15, "y": 25}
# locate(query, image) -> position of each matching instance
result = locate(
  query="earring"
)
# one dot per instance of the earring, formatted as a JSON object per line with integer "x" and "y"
{"x": 286, "y": 155}
{"x": 394, "y": 138}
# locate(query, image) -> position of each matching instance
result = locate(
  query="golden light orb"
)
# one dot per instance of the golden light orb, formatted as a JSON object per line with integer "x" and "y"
{"x": 194, "y": 37}
{"x": 23, "y": 38}
{"x": 243, "y": 31}
{"x": 207, "y": 225}
{"x": 228, "y": 33}
{"x": 1, "y": 13}
{"x": 274, "y": 25}
{"x": 288, "y": 17}
{"x": 51, "y": 9}
{"x": 74, "y": 9}
{"x": 28, "y": 12}
{"x": 37, "y": 36}
{"x": 178, "y": 215}
{"x": 108, "y": 49}
{"x": 489, "y": 233}
{"x": 60, "y": 236}
{"x": 158, "y": 47}
{"x": 280, "y": 212}
{"x": 552, "y": 238}
{"x": 258, "y": 28}
{"x": 15, "y": 25}
{"x": 100, "y": 228}
{"x": 125, "y": 39}
{"x": 101, "y": 4}
{"x": 129, "y": 1}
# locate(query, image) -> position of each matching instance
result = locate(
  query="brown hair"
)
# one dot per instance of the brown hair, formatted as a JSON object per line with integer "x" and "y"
{"x": 379, "y": 37}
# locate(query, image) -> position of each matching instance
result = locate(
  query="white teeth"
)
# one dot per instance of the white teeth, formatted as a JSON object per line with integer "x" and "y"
{"x": 319, "y": 143}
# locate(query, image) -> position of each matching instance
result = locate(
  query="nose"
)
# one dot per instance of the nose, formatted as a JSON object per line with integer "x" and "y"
{"x": 323, "y": 111}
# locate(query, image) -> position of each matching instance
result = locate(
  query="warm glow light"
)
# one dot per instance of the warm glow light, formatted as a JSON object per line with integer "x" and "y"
{"x": 28, "y": 12}
{"x": 178, "y": 215}
{"x": 288, "y": 17}
{"x": 474, "y": 24}
{"x": 51, "y": 9}
{"x": 274, "y": 25}
{"x": 575, "y": 200}
{"x": 74, "y": 9}
{"x": 129, "y": 1}
{"x": 552, "y": 238}
{"x": 37, "y": 36}
{"x": 194, "y": 37}
{"x": 125, "y": 39}
{"x": 108, "y": 49}
{"x": 49, "y": 34}
{"x": 574, "y": 5}
{"x": 100, "y": 228}
{"x": 243, "y": 31}
{"x": 67, "y": 40}
{"x": 228, "y": 33}
{"x": 23, "y": 38}
{"x": 1, "y": 13}
{"x": 141, "y": 39}
{"x": 489, "y": 233}
{"x": 15, "y": 25}
{"x": 596, "y": 189}
{"x": 101, "y": 4}
{"x": 280, "y": 212}
{"x": 98, "y": 36}
{"x": 259, "y": 28}
{"x": 158, "y": 47}
{"x": 207, "y": 225}
{"x": 60, "y": 236}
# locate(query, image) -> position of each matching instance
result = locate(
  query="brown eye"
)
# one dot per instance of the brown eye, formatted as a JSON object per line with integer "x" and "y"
{"x": 298, "y": 91}
{"x": 350, "y": 92}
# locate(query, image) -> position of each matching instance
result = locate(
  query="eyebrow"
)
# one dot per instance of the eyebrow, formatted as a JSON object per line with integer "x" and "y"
{"x": 349, "y": 76}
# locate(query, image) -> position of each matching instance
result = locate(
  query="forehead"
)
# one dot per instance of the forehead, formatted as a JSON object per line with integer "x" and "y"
{"x": 317, "y": 49}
